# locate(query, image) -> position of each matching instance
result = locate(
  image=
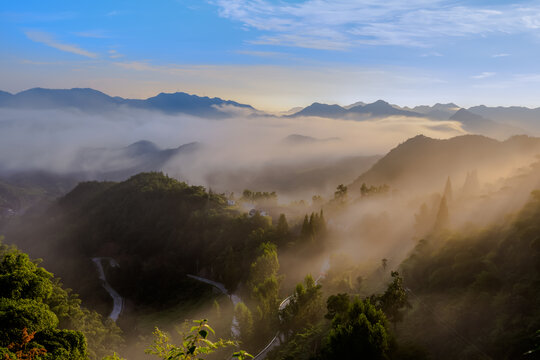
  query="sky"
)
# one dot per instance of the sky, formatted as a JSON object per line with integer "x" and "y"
{"x": 279, "y": 54}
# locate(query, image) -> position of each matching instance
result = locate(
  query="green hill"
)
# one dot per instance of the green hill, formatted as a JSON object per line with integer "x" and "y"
{"x": 477, "y": 294}
{"x": 158, "y": 229}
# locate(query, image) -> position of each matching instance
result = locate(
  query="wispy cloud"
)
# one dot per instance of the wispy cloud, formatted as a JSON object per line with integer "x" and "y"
{"x": 113, "y": 54}
{"x": 342, "y": 24}
{"x": 48, "y": 39}
{"x": 500, "y": 55}
{"x": 483, "y": 75}
{"x": 98, "y": 34}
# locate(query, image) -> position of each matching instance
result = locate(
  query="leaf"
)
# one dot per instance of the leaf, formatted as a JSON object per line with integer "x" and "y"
{"x": 209, "y": 328}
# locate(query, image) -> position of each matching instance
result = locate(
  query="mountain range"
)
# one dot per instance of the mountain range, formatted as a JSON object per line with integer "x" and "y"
{"x": 498, "y": 122}
{"x": 90, "y": 100}
{"x": 426, "y": 162}
{"x": 377, "y": 109}
{"x": 476, "y": 120}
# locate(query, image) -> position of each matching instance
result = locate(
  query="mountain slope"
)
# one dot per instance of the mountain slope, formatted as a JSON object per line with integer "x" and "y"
{"x": 426, "y": 162}
{"x": 180, "y": 102}
{"x": 90, "y": 100}
{"x": 83, "y": 99}
{"x": 121, "y": 163}
{"x": 477, "y": 124}
{"x": 483, "y": 283}
{"x": 513, "y": 115}
{"x": 157, "y": 228}
{"x": 437, "y": 111}
{"x": 377, "y": 109}
{"x": 321, "y": 110}
{"x": 381, "y": 108}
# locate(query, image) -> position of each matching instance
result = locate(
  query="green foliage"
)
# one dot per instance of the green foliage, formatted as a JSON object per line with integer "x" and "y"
{"x": 159, "y": 229}
{"x": 23, "y": 350}
{"x": 314, "y": 228}
{"x": 245, "y": 321}
{"x": 303, "y": 345}
{"x": 477, "y": 294}
{"x": 195, "y": 344}
{"x": 282, "y": 226}
{"x": 441, "y": 220}
{"x": 263, "y": 283}
{"x": 337, "y": 305}
{"x": 340, "y": 194}
{"x": 359, "y": 331}
{"x": 114, "y": 356}
{"x": 373, "y": 190}
{"x": 25, "y": 292}
{"x": 258, "y": 197}
{"x": 305, "y": 307}
{"x": 30, "y": 298}
{"x": 394, "y": 299}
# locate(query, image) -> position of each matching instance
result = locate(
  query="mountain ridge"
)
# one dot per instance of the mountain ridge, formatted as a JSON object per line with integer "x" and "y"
{"x": 91, "y": 100}
{"x": 418, "y": 160}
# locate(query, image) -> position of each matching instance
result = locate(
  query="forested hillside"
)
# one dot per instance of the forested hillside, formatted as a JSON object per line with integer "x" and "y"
{"x": 468, "y": 294}
{"x": 477, "y": 294}
{"x": 42, "y": 320}
{"x": 157, "y": 228}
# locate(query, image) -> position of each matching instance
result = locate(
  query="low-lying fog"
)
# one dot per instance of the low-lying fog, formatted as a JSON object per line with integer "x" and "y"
{"x": 233, "y": 152}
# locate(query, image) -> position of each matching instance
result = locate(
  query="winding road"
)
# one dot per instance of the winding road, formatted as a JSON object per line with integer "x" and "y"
{"x": 276, "y": 340}
{"x": 118, "y": 301}
{"x": 235, "y": 299}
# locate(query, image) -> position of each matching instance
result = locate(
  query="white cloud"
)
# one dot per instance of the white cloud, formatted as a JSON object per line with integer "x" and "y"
{"x": 500, "y": 55}
{"x": 47, "y": 39}
{"x": 483, "y": 75}
{"x": 113, "y": 54}
{"x": 342, "y": 24}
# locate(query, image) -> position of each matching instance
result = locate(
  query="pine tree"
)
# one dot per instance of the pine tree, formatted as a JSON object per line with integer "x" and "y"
{"x": 442, "y": 215}
{"x": 448, "y": 190}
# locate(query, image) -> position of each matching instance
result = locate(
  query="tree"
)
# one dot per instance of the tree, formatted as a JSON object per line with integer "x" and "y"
{"x": 442, "y": 215}
{"x": 282, "y": 225}
{"x": 25, "y": 294}
{"x": 306, "y": 231}
{"x": 337, "y": 304}
{"x": 31, "y": 299}
{"x": 264, "y": 283}
{"x": 23, "y": 350}
{"x": 359, "y": 332}
{"x": 195, "y": 343}
{"x": 341, "y": 193}
{"x": 394, "y": 299}
{"x": 305, "y": 306}
{"x": 448, "y": 190}
{"x": 245, "y": 321}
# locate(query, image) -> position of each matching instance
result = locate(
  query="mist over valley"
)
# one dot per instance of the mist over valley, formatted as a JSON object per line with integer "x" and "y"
{"x": 269, "y": 180}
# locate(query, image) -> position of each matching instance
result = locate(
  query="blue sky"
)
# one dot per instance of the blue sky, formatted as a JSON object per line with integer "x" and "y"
{"x": 278, "y": 54}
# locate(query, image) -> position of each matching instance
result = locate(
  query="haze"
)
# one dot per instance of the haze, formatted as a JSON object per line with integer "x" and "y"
{"x": 313, "y": 179}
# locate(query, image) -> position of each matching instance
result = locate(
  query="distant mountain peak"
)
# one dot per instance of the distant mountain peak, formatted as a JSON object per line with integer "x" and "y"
{"x": 466, "y": 115}
{"x": 92, "y": 100}
{"x": 322, "y": 110}
{"x": 296, "y": 139}
{"x": 142, "y": 147}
